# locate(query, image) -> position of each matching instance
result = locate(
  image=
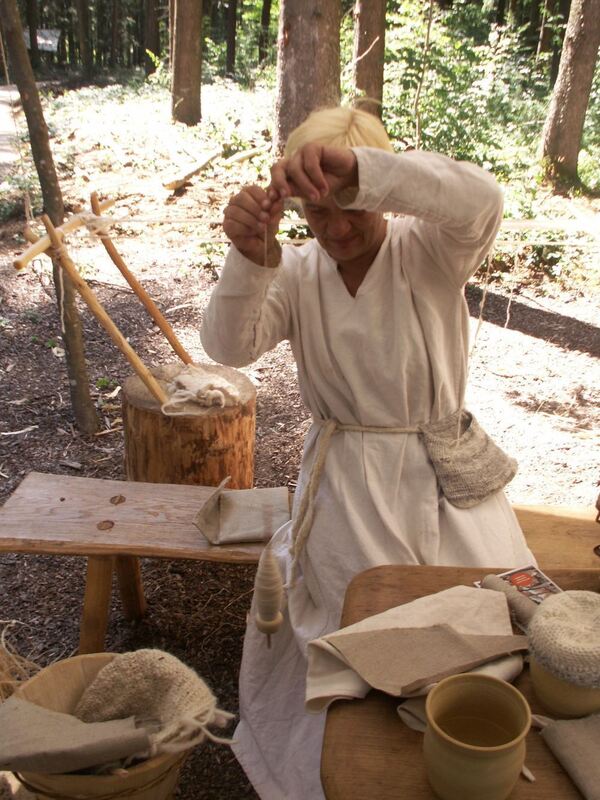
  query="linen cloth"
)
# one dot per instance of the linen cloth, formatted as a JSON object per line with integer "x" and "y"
{"x": 575, "y": 743}
{"x": 405, "y": 650}
{"x": 36, "y": 739}
{"x": 242, "y": 515}
{"x": 394, "y": 355}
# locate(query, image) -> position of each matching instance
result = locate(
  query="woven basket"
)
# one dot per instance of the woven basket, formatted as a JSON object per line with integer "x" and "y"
{"x": 59, "y": 687}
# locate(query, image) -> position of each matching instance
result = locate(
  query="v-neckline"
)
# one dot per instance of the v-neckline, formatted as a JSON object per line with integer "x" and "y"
{"x": 371, "y": 275}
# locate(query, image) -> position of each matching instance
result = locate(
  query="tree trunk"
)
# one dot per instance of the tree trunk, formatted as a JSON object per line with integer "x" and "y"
{"x": 115, "y": 38}
{"x": 308, "y": 62}
{"x": 171, "y": 31}
{"x": 187, "y": 62}
{"x": 534, "y": 23}
{"x": 263, "y": 37}
{"x": 32, "y": 24}
{"x": 515, "y": 12}
{"x": 83, "y": 407}
{"x": 545, "y": 36}
{"x": 101, "y": 30}
{"x": 202, "y": 448}
{"x": 151, "y": 37}
{"x": 231, "y": 31}
{"x": 561, "y": 137}
{"x": 369, "y": 52}
{"x": 564, "y": 8}
{"x": 85, "y": 39}
{"x": 501, "y": 12}
{"x": 71, "y": 38}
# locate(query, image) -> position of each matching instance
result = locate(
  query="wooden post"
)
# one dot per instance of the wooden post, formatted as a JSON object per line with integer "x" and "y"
{"x": 129, "y": 577}
{"x": 96, "y": 604}
{"x": 137, "y": 287}
{"x": 197, "y": 449}
{"x": 100, "y": 313}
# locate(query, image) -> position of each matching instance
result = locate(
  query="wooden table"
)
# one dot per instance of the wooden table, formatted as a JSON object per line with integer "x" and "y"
{"x": 368, "y": 752}
{"x": 112, "y": 523}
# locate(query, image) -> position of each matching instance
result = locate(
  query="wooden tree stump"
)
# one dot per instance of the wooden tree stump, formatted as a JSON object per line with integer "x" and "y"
{"x": 193, "y": 449}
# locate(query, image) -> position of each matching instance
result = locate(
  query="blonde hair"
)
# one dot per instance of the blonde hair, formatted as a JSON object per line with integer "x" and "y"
{"x": 339, "y": 127}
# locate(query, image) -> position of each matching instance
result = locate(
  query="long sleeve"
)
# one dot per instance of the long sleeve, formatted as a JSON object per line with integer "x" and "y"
{"x": 456, "y": 206}
{"x": 248, "y": 312}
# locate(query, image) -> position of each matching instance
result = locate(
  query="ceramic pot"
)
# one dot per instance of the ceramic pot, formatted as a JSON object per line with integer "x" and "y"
{"x": 562, "y": 698}
{"x": 474, "y": 744}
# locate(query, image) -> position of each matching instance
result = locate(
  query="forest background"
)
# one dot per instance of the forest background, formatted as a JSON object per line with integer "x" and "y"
{"x": 473, "y": 80}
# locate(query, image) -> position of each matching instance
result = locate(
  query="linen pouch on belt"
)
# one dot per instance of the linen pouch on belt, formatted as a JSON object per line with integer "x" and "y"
{"x": 407, "y": 649}
{"x": 468, "y": 465}
{"x": 243, "y": 515}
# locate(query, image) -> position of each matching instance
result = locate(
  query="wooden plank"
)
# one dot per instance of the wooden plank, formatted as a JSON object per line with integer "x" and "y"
{"x": 368, "y": 751}
{"x": 60, "y": 514}
{"x": 65, "y": 515}
{"x": 561, "y": 536}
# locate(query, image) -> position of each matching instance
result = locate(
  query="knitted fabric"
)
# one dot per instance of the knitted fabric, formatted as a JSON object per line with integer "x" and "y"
{"x": 564, "y": 636}
{"x": 469, "y": 466}
{"x": 161, "y": 693}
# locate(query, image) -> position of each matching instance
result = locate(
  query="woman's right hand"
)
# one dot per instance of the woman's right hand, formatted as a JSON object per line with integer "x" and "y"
{"x": 250, "y": 220}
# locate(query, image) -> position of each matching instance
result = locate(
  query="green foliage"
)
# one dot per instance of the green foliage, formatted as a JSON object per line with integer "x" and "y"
{"x": 162, "y": 74}
{"x": 105, "y": 383}
{"x": 248, "y": 71}
{"x": 474, "y": 102}
{"x": 13, "y": 188}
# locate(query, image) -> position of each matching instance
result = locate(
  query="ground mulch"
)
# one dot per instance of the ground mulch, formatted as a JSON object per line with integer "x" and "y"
{"x": 534, "y": 383}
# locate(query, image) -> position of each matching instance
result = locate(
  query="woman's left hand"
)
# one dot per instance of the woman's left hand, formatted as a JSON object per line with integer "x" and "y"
{"x": 313, "y": 172}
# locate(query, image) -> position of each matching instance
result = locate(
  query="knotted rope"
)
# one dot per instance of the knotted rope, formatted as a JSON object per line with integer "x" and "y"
{"x": 306, "y": 510}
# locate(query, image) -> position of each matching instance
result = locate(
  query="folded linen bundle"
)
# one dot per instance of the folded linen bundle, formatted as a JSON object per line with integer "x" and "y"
{"x": 407, "y": 649}
{"x": 36, "y": 739}
{"x": 243, "y": 515}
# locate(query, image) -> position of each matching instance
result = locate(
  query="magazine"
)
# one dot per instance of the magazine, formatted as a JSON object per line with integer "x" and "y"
{"x": 531, "y": 581}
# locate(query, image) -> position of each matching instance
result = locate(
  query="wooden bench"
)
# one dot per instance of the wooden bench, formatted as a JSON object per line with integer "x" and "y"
{"x": 112, "y": 523}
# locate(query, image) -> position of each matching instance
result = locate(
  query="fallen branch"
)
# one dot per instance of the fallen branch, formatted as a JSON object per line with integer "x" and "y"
{"x": 246, "y": 154}
{"x": 181, "y": 180}
{"x": 17, "y": 433}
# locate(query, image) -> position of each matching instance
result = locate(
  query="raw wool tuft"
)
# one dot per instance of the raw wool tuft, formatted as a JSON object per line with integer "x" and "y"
{"x": 195, "y": 389}
{"x": 14, "y": 669}
{"x": 159, "y": 691}
{"x": 564, "y": 636}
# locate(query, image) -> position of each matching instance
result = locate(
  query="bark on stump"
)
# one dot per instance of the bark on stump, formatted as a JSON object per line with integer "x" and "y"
{"x": 197, "y": 449}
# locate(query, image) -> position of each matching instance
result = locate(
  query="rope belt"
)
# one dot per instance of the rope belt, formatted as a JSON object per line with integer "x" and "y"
{"x": 306, "y": 510}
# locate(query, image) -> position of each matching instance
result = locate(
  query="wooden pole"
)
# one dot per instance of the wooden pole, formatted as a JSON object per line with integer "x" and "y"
{"x": 101, "y": 315}
{"x": 43, "y": 243}
{"x": 137, "y": 287}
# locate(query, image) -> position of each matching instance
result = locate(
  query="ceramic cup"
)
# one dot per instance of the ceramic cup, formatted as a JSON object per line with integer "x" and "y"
{"x": 474, "y": 744}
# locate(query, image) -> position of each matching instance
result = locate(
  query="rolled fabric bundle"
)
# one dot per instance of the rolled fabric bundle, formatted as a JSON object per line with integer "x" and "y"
{"x": 522, "y": 607}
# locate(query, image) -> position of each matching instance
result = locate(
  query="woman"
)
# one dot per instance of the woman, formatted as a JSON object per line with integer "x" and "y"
{"x": 375, "y": 313}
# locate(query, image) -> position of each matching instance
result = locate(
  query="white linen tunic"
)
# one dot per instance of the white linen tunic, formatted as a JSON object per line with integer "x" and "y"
{"x": 395, "y": 355}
